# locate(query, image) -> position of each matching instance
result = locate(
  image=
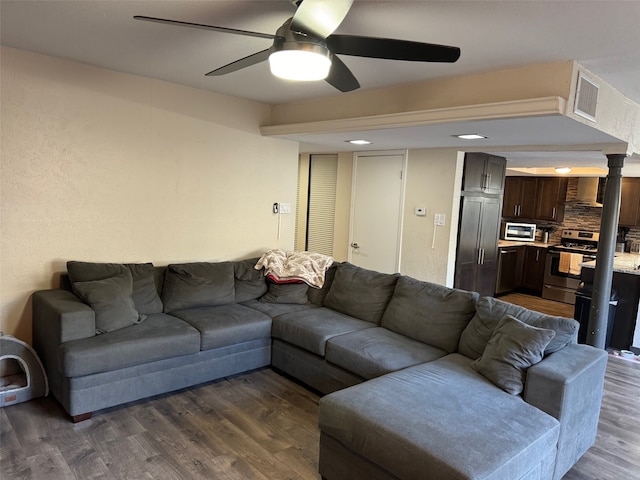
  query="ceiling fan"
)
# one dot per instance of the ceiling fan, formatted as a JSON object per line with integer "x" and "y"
{"x": 305, "y": 47}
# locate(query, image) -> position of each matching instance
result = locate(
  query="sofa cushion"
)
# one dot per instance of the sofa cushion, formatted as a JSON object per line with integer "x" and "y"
{"x": 249, "y": 282}
{"x": 317, "y": 295}
{"x": 440, "y": 421}
{"x": 277, "y": 309}
{"x": 112, "y": 301}
{"x": 310, "y": 329}
{"x": 160, "y": 336}
{"x": 433, "y": 314}
{"x": 489, "y": 311}
{"x": 200, "y": 284}
{"x": 286, "y": 293}
{"x": 513, "y": 348}
{"x": 360, "y": 293}
{"x": 376, "y": 351}
{"x": 226, "y": 325}
{"x": 145, "y": 292}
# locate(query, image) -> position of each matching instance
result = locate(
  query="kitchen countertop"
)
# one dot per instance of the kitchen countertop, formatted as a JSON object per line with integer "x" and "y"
{"x": 622, "y": 263}
{"x": 515, "y": 243}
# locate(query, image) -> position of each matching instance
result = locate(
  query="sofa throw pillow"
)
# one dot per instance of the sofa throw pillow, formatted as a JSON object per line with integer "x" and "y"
{"x": 249, "y": 282}
{"x": 286, "y": 293}
{"x": 489, "y": 311}
{"x": 111, "y": 299}
{"x": 145, "y": 292}
{"x": 430, "y": 313}
{"x": 361, "y": 293}
{"x": 200, "y": 284}
{"x": 317, "y": 295}
{"x": 512, "y": 349}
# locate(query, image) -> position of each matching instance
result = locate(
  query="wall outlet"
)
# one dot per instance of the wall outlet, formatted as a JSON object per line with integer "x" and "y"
{"x": 439, "y": 219}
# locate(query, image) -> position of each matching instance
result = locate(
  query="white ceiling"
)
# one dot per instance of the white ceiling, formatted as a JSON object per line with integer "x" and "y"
{"x": 600, "y": 35}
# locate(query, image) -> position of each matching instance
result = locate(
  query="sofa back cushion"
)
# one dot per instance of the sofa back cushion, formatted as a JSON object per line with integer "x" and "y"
{"x": 489, "y": 312}
{"x": 145, "y": 292}
{"x": 249, "y": 282}
{"x": 361, "y": 293}
{"x": 112, "y": 301}
{"x": 199, "y": 284}
{"x": 430, "y": 313}
{"x": 317, "y": 295}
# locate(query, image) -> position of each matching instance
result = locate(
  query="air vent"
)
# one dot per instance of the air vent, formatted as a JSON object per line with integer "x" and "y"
{"x": 586, "y": 98}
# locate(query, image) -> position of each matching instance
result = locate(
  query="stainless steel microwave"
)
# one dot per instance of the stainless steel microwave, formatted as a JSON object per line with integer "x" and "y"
{"x": 522, "y": 232}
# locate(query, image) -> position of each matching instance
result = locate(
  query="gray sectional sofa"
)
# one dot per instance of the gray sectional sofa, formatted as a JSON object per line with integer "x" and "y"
{"x": 420, "y": 380}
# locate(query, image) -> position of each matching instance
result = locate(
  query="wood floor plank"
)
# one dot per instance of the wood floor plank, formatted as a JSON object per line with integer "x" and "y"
{"x": 257, "y": 426}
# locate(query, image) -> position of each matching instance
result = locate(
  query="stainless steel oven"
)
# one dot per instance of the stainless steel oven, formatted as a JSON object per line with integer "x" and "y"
{"x": 561, "y": 284}
{"x": 562, "y": 267}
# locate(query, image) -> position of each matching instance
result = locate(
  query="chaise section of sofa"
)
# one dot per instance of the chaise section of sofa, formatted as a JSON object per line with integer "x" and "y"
{"x": 436, "y": 421}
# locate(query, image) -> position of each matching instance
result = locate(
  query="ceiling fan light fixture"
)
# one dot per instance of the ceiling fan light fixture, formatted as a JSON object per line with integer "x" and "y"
{"x": 305, "y": 62}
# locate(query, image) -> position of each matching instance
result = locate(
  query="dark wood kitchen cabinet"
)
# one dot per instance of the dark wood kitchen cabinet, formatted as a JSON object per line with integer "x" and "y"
{"x": 477, "y": 254}
{"x": 533, "y": 268}
{"x": 630, "y": 202}
{"x": 551, "y": 194}
{"x": 510, "y": 264}
{"x": 483, "y": 173}
{"x": 519, "y": 197}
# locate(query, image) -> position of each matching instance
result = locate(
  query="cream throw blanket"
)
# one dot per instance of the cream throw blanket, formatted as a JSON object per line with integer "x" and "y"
{"x": 305, "y": 266}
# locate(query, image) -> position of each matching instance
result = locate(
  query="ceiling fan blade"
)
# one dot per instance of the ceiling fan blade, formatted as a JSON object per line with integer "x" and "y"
{"x": 341, "y": 77}
{"x": 240, "y": 64}
{"x": 235, "y": 31}
{"x": 320, "y": 17}
{"x": 392, "y": 49}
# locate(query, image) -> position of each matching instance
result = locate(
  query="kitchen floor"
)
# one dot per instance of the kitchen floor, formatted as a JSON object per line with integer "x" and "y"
{"x": 539, "y": 304}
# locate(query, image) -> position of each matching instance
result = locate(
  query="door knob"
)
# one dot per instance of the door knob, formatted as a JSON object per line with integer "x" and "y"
{"x": 355, "y": 245}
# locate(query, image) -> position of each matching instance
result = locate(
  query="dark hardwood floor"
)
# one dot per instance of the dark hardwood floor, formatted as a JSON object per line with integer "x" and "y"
{"x": 540, "y": 304}
{"x": 254, "y": 426}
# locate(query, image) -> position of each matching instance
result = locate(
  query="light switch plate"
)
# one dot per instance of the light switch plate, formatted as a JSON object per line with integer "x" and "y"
{"x": 285, "y": 208}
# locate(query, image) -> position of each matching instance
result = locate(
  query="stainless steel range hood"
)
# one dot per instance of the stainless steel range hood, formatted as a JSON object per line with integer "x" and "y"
{"x": 590, "y": 192}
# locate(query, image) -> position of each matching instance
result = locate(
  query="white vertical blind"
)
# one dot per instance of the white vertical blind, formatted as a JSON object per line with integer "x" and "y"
{"x": 323, "y": 174}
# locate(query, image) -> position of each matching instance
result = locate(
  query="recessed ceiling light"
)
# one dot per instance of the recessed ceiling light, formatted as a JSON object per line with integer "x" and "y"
{"x": 563, "y": 169}
{"x": 471, "y": 136}
{"x": 359, "y": 142}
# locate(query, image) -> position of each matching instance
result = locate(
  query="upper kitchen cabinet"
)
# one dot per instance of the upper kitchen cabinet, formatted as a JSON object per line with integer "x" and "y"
{"x": 535, "y": 198}
{"x": 550, "y": 197}
{"x": 630, "y": 202}
{"x": 519, "y": 197}
{"x": 483, "y": 173}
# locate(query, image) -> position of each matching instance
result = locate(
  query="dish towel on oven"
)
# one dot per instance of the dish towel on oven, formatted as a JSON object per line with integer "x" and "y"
{"x": 570, "y": 263}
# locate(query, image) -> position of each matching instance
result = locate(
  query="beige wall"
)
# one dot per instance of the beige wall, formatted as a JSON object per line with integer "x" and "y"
{"x": 531, "y": 81}
{"x": 103, "y": 166}
{"x": 434, "y": 178}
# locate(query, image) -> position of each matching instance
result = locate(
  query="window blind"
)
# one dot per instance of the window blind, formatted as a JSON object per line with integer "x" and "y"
{"x": 323, "y": 174}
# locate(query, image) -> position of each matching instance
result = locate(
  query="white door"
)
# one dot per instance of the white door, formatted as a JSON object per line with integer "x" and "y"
{"x": 376, "y": 211}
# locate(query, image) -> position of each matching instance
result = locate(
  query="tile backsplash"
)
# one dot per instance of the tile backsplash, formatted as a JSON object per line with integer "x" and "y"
{"x": 578, "y": 218}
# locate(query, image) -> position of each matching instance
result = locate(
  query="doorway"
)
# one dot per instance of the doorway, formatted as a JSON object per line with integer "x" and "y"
{"x": 377, "y": 202}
